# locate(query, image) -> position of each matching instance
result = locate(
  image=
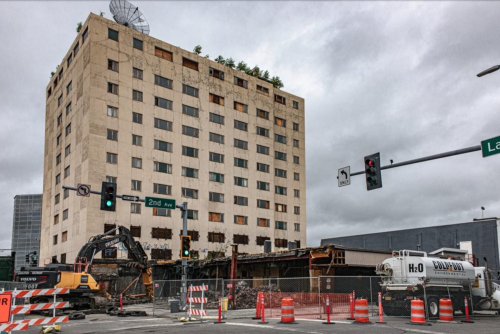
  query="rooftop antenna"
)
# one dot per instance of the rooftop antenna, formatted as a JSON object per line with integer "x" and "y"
{"x": 129, "y": 15}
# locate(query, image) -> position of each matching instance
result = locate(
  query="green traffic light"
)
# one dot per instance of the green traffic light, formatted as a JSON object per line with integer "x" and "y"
{"x": 109, "y": 203}
{"x": 186, "y": 252}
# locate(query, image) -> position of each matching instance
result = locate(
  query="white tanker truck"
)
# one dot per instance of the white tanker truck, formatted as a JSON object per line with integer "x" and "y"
{"x": 411, "y": 274}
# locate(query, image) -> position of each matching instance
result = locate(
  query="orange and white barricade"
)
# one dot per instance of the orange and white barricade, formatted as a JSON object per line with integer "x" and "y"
{"x": 445, "y": 310}
{"x": 16, "y": 325}
{"x": 361, "y": 311}
{"x": 197, "y": 300}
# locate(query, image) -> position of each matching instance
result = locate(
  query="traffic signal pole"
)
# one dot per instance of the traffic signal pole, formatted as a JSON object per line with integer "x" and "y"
{"x": 184, "y": 210}
{"x": 428, "y": 158}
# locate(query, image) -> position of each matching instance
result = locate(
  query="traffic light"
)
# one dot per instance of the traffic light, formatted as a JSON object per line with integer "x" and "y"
{"x": 372, "y": 172}
{"x": 108, "y": 196}
{"x": 185, "y": 247}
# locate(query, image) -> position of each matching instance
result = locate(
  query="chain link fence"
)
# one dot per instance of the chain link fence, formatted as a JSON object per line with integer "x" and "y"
{"x": 9, "y": 286}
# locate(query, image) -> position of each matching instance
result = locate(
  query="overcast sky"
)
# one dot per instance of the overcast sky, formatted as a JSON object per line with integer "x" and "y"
{"x": 397, "y": 78}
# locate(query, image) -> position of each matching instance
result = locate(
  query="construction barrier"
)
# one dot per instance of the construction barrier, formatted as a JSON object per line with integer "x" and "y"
{"x": 197, "y": 300}
{"x": 352, "y": 298}
{"x": 361, "y": 311}
{"x": 380, "y": 310}
{"x": 287, "y": 311}
{"x": 328, "y": 313}
{"x": 445, "y": 310}
{"x": 258, "y": 306}
{"x": 418, "y": 312}
{"x": 467, "y": 312}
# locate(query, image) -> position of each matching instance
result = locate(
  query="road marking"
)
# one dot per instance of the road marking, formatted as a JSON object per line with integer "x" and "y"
{"x": 144, "y": 326}
{"x": 271, "y": 327}
{"x": 414, "y": 330}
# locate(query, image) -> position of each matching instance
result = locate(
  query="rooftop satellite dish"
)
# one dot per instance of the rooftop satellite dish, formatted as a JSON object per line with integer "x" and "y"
{"x": 129, "y": 15}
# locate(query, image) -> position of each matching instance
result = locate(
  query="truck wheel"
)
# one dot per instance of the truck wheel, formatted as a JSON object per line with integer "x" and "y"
{"x": 433, "y": 307}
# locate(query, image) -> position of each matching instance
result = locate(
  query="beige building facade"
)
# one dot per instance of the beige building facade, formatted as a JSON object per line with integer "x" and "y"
{"x": 164, "y": 122}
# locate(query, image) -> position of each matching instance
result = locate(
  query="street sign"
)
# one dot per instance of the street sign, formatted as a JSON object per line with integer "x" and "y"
{"x": 490, "y": 146}
{"x": 130, "y": 198}
{"x": 5, "y": 307}
{"x": 83, "y": 190}
{"x": 152, "y": 202}
{"x": 344, "y": 176}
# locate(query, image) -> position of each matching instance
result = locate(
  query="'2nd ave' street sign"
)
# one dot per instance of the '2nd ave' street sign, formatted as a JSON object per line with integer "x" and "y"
{"x": 152, "y": 202}
{"x": 490, "y": 146}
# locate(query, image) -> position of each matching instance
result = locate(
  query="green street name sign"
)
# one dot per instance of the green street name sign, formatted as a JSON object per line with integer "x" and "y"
{"x": 152, "y": 202}
{"x": 490, "y": 146}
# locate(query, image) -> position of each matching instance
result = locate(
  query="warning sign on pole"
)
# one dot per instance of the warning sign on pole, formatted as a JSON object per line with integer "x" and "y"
{"x": 5, "y": 306}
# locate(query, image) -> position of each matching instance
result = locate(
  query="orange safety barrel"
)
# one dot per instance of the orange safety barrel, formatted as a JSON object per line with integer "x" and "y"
{"x": 361, "y": 311}
{"x": 258, "y": 308}
{"x": 418, "y": 312}
{"x": 445, "y": 310}
{"x": 287, "y": 311}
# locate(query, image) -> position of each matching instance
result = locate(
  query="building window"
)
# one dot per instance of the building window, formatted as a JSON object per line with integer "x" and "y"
{"x": 162, "y": 212}
{"x": 280, "y": 190}
{"x": 161, "y": 233}
{"x": 240, "y": 82}
{"x": 58, "y": 159}
{"x": 280, "y": 225}
{"x": 215, "y": 197}
{"x": 295, "y": 126}
{"x": 113, "y": 34}
{"x": 296, "y": 176}
{"x": 280, "y": 155}
{"x": 190, "y": 151}
{"x": 163, "y": 189}
{"x": 111, "y": 179}
{"x": 192, "y": 215}
{"x": 112, "y": 88}
{"x": 59, "y": 119}
{"x": 216, "y": 99}
{"x": 189, "y": 90}
{"x": 216, "y": 157}
{"x": 135, "y": 231}
{"x": 67, "y": 150}
{"x": 69, "y": 87}
{"x": 216, "y": 73}
{"x": 189, "y": 64}
{"x": 68, "y": 129}
{"x": 216, "y": 217}
{"x": 109, "y": 227}
{"x": 280, "y": 173}
{"x": 262, "y": 167}
{"x": 240, "y": 125}
{"x": 58, "y": 140}
{"x": 136, "y": 185}
{"x": 85, "y": 35}
{"x": 190, "y": 172}
{"x": 136, "y": 163}
{"x": 240, "y": 200}
{"x": 164, "y": 146}
{"x": 216, "y": 237}
{"x": 260, "y": 240}
{"x": 136, "y": 140}
{"x": 113, "y": 65}
{"x": 296, "y": 210}
{"x": 296, "y": 193}
{"x": 216, "y": 138}
{"x": 162, "y": 167}
{"x": 64, "y": 236}
{"x": 75, "y": 49}
{"x": 112, "y": 135}
{"x": 215, "y": 118}
{"x": 240, "y": 144}
{"x": 112, "y": 111}
{"x": 135, "y": 208}
{"x": 69, "y": 60}
{"x": 54, "y": 239}
{"x": 65, "y": 193}
{"x": 261, "y": 185}
{"x": 137, "y": 95}
{"x": 216, "y": 177}
{"x": 163, "y": 82}
{"x": 262, "y": 89}
{"x": 240, "y": 239}
{"x": 163, "y": 124}
{"x": 56, "y": 219}
{"x": 137, "y": 73}
{"x": 243, "y": 163}
{"x": 190, "y": 131}
{"x": 241, "y": 107}
{"x": 296, "y": 160}
{"x": 190, "y": 111}
{"x": 263, "y": 204}
{"x": 161, "y": 254}
{"x": 111, "y": 158}
{"x": 280, "y": 207}
{"x": 57, "y": 198}
{"x": 279, "y": 138}
{"x": 65, "y": 214}
{"x": 282, "y": 243}
{"x": 262, "y": 131}
{"x": 240, "y": 181}
{"x": 279, "y": 99}
{"x": 164, "y": 54}
{"x": 67, "y": 171}
{"x": 280, "y": 122}
{"x": 190, "y": 193}
{"x": 263, "y": 222}
{"x": 163, "y": 103}
{"x": 296, "y": 143}
{"x": 295, "y": 104}
{"x": 137, "y": 43}
{"x": 262, "y": 149}
{"x": 59, "y": 100}
{"x": 262, "y": 114}
{"x": 137, "y": 117}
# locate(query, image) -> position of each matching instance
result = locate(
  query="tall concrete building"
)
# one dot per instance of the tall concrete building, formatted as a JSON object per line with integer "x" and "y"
{"x": 164, "y": 122}
{"x": 26, "y": 228}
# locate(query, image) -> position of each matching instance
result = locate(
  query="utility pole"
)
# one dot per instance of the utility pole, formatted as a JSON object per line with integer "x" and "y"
{"x": 184, "y": 211}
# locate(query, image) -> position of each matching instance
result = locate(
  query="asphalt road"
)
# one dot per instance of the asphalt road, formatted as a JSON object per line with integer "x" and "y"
{"x": 107, "y": 324}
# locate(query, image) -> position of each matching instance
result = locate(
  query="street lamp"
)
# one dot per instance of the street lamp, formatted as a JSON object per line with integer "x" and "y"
{"x": 482, "y": 211}
{"x": 488, "y": 71}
